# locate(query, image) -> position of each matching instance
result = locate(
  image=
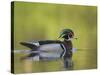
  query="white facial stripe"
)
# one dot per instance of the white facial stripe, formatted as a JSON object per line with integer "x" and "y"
{"x": 68, "y": 37}
{"x": 63, "y": 35}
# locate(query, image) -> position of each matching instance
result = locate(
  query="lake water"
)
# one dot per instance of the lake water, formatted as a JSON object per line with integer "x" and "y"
{"x": 82, "y": 59}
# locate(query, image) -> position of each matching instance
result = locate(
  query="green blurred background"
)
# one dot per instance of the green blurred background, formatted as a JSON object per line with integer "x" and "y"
{"x": 44, "y": 21}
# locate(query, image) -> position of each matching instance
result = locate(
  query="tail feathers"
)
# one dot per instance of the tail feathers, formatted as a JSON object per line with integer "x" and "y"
{"x": 28, "y": 44}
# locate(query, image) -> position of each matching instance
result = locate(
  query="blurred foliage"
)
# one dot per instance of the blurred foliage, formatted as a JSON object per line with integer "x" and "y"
{"x": 44, "y": 21}
{"x": 41, "y": 21}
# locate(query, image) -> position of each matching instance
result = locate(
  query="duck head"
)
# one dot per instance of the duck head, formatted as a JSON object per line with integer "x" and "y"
{"x": 67, "y": 34}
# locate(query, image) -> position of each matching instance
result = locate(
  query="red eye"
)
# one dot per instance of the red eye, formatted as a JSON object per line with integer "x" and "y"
{"x": 71, "y": 34}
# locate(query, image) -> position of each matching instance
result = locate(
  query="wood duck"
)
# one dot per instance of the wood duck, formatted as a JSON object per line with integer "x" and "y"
{"x": 52, "y": 49}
